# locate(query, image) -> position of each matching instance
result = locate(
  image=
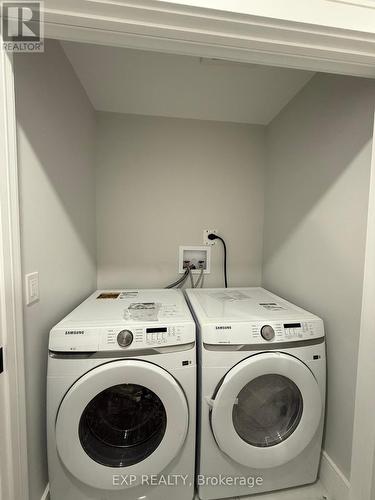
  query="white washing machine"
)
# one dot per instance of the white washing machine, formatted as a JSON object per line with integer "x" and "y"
{"x": 121, "y": 398}
{"x": 262, "y": 377}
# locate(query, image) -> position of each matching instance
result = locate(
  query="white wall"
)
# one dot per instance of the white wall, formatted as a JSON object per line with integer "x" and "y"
{"x": 319, "y": 155}
{"x": 175, "y": 86}
{"x": 161, "y": 181}
{"x": 55, "y": 147}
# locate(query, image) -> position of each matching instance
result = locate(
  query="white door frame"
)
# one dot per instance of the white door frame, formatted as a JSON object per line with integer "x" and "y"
{"x": 180, "y": 29}
{"x": 174, "y": 28}
{"x": 11, "y": 294}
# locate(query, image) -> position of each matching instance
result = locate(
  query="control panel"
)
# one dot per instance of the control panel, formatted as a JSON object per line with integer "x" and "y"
{"x": 285, "y": 332}
{"x": 258, "y": 332}
{"x": 121, "y": 338}
{"x": 148, "y": 336}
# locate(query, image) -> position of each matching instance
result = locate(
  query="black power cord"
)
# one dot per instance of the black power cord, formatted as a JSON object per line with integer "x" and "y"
{"x": 213, "y": 236}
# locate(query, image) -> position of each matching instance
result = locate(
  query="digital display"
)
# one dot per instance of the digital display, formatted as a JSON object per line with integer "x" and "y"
{"x": 292, "y": 325}
{"x": 156, "y": 330}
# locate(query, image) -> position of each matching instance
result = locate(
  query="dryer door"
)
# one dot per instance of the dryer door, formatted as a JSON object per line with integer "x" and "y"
{"x": 122, "y": 420}
{"x": 266, "y": 410}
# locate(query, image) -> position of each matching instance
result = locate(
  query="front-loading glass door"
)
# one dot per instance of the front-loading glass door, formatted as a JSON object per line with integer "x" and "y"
{"x": 126, "y": 417}
{"x": 267, "y": 410}
{"x": 122, "y": 425}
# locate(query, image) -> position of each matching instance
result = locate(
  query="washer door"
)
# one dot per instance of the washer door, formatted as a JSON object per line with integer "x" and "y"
{"x": 124, "y": 418}
{"x": 266, "y": 410}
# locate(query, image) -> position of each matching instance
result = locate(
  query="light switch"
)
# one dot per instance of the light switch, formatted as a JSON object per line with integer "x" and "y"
{"x": 32, "y": 288}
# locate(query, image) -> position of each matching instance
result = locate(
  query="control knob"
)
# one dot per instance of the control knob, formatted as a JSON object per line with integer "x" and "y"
{"x": 124, "y": 338}
{"x": 267, "y": 332}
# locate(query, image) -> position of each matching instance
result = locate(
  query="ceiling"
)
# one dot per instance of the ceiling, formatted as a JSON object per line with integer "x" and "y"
{"x": 151, "y": 83}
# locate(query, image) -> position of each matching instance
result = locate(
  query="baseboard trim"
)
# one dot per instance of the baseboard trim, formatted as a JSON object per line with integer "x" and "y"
{"x": 334, "y": 481}
{"x": 45, "y": 495}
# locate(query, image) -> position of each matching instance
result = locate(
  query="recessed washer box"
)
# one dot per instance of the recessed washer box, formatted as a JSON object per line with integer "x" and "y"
{"x": 195, "y": 254}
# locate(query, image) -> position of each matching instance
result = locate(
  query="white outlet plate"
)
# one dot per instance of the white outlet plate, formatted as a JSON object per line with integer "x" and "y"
{"x": 194, "y": 254}
{"x": 206, "y": 232}
{"x": 32, "y": 288}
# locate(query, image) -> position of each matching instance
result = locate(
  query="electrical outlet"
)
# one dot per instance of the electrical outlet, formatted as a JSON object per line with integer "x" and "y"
{"x": 206, "y": 232}
{"x": 196, "y": 256}
{"x": 32, "y": 288}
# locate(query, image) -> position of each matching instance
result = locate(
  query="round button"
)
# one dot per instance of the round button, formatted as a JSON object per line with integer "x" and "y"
{"x": 267, "y": 332}
{"x": 124, "y": 338}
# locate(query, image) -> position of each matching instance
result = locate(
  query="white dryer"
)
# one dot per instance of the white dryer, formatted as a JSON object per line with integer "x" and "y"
{"x": 121, "y": 398}
{"x": 262, "y": 377}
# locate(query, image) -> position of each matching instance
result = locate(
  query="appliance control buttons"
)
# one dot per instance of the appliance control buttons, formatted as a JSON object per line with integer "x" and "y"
{"x": 124, "y": 338}
{"x": 267, "y": 332}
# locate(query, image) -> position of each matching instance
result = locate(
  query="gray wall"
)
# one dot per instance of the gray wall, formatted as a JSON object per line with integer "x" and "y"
{"x": 57, "y": 194}
{"x": 319, "y": 154}
{"x": 161, "y": 181}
